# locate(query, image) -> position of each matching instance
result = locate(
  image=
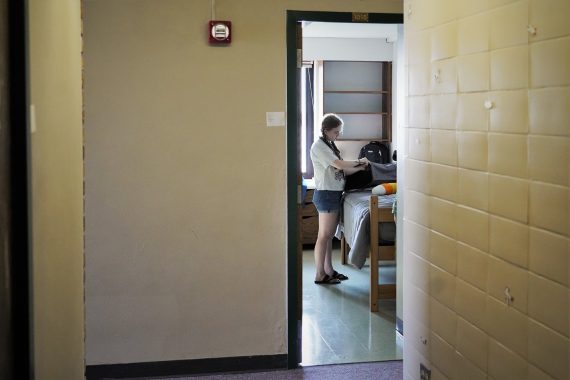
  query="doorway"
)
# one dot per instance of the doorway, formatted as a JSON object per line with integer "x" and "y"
{"x": 294, "y": 198}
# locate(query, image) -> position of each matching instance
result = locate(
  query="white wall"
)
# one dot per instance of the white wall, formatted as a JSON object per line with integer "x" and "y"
{"x": 347, "y": 49}
{"x": 185, "y": 185}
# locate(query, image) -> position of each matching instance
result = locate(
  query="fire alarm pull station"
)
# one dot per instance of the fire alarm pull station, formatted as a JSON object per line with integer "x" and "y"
{"x": 220, "y": 32}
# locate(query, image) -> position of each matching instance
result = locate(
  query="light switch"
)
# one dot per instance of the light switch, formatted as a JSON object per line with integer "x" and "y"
{"x": 275, "y": 119}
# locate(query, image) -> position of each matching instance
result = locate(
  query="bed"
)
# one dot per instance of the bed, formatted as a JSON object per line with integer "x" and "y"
{"x": 367, "y": 229}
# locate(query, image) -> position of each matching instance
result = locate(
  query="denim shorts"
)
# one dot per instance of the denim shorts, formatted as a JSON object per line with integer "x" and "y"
{"x": 327, "y": 200}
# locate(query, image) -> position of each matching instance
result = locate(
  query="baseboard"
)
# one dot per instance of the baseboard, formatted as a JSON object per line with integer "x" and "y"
{"x": 400, "y": 326}
{"x": 186, "y": 367}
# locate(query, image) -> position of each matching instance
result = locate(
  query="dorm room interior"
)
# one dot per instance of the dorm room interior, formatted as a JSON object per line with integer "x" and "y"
{"x": 352, "y": 71}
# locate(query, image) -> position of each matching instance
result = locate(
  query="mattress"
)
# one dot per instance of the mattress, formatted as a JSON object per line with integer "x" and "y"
{"x": 355, "y": 225}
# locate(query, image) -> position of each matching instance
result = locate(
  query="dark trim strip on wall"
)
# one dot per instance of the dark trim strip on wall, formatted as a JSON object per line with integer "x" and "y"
{"x": 187, "y": 367}
{"x": 20, "y": 255}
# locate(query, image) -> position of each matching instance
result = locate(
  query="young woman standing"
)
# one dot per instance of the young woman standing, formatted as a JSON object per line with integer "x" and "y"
{"x": 330, "y": 170}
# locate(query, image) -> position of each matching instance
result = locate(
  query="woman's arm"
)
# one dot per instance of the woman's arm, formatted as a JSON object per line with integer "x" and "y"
{"x": 351, "y": 166}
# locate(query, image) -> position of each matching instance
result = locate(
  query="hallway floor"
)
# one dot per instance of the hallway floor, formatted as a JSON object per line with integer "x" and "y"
{"x": 338, "y": 326}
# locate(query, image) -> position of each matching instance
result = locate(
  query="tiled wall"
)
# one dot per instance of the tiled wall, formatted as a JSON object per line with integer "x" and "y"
{"x": 487, "y": 200}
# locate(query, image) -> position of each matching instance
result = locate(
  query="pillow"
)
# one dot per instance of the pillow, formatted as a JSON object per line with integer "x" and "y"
{"x": 385, "y": 188}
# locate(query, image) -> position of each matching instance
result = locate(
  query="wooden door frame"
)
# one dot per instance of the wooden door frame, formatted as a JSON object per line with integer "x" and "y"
{"x": 293, "y": 18}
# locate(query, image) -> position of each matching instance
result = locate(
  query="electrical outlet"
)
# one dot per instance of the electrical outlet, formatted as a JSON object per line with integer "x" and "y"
{"x": 425, "y": 373}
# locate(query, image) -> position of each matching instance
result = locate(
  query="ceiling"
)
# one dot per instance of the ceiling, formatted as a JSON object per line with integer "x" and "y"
{"x": 350, "y": 30}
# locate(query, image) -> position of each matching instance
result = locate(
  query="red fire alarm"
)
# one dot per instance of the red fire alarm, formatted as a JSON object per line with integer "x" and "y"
{"x": 220, "y": 32}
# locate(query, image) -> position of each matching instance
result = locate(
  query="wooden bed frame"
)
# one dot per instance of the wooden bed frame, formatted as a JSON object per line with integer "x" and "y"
{"x": 377, "y": 253}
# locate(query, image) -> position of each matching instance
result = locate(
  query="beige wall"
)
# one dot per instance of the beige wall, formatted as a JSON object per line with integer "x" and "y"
{"x": 487, "y": 190}
{"x": 57, "y": 188}
{"x": 185, "y": 185}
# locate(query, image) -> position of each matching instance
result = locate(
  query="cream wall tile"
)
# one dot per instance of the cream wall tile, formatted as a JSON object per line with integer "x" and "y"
{"x": 417, "y": 335}
{"x": 444, "y": 76}
{"x": 418, "y": 47}
{"x": 509, "y": 240}
{"x": 443, "y": 321}
{"x": 549, "y": 111}
{"x": 549, "y": 62}
{"x": 442, "y": 355}
{"x": 473, "y": 227}
{"x": 548, "y": 303}
{"x": 536, "y": 373}
{"x": 444, "y": 41}
{"x": 504, "y": 364}
{"x": 503, "y": 275}
{"x": 508, "y": 197}
{"x": 471, "y": 113}
{"x": 474, "y": 189}
{"x": 471, "y": 7}
{"x": 417, "y": 239}
{"x": 417, "y": 208}
{"x": 549, "y": 255}
{"x": 473, "y": 72}
{"x": 548, "y": 350}
{"x": 418, "y": 175}
{"x": 442, "y": 217}
{"x": 442, "y": 286}
{"x": 472, "y": 266}
{"x": 413, "y": 361}
{"x": 499, "y": 3}
{"x": 472, "y": 343}
{"x": 550, "y": 17}
{"x": 419, "y": 144}
{"x": 509, "y": 25}
{"x": 443, "y": 147}
{"x": 418, "y": 111}
{"x": 419, "y": 270}
{"x": 510, "y": 111}
{"x": 418, "y": 14}
{"x": 472, "y": 150}
{"x": 419, "y": 79}
{"x": 443, "y": 252}
{"x": 445, "y": 11}
{"x": 508, "y": 326}
{"x": 471, "y": 304}
{"x": 549, "y": 207}
{"x": 436, "y": 374}
{"x": 416, "y": 305}
{"x": 473, "y": 34}
{"x": 466, "y": 370}
{"x": 442, "y": 111}
{"x": 508, "y": 154}
{"x": 443, "y": 181}
{"x": 509, "y": 68}
{"x": 549, "y": 159}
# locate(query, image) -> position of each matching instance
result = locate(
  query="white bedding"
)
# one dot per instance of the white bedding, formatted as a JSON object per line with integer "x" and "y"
{"x": 355, "y": 223}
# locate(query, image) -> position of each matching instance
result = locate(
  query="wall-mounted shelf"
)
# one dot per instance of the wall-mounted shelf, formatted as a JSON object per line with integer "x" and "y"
{"x": 361, "y": 94}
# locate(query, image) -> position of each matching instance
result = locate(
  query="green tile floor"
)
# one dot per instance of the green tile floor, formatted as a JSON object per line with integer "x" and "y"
{"x": 338, "y": 326}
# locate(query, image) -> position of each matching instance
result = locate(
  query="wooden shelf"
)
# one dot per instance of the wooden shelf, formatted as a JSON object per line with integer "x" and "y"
{"x": 362, "y": 91}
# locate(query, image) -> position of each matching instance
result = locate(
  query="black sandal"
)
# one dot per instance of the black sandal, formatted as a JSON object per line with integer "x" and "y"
{"x": 339, "y": 276}
{"x": 328, "y": 280}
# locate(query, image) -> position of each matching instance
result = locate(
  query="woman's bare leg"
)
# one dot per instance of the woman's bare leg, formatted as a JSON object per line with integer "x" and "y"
{"x": 323, "y": 246}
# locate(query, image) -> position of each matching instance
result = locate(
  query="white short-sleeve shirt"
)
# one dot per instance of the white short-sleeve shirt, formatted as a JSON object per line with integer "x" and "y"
{"x": 327, "y": 177}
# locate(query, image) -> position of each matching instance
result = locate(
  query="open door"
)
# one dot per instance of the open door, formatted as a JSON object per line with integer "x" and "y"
{"x": 294, "y": 35}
